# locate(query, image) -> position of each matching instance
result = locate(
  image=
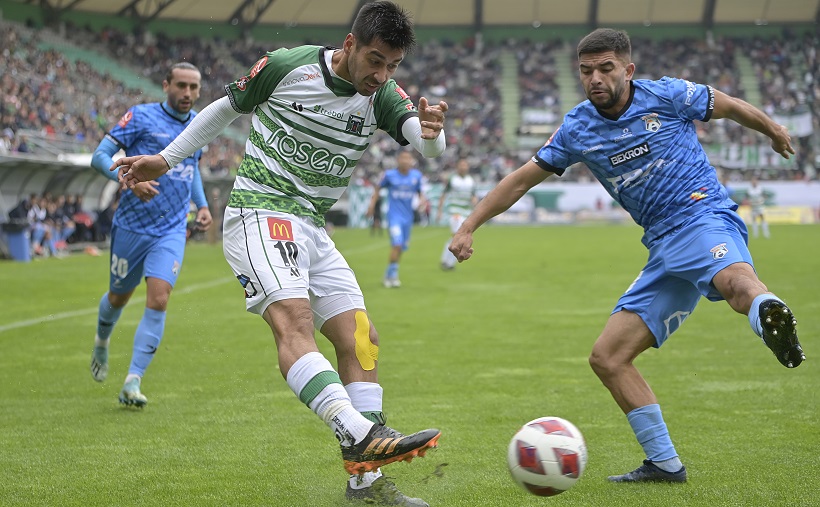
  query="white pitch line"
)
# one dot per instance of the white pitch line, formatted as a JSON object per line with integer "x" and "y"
{"x": 90, "y": 311}
{"x": 187, "y": 290}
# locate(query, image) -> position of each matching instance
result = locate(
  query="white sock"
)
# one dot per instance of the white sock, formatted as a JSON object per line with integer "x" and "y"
{"x": 311, "y": 373}
{"x": 132, "y": 376}
{"x": 669, "y": 465}
{"x": 365, "y": 397}
{"x": 364, "y": 480}
{"x": 98, "y": 342}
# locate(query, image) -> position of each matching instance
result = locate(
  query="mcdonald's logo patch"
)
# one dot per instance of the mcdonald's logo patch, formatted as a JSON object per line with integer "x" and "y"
{"x": 280, "y": 229}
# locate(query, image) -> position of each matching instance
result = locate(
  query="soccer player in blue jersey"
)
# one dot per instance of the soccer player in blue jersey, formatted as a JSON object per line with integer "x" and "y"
{"x": 148, "y": 235}
{"x": 403, "y": 184}
{"x": 638, "y": 139}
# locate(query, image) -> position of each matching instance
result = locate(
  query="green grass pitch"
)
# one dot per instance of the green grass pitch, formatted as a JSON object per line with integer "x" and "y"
{"x": 476, "y": 352}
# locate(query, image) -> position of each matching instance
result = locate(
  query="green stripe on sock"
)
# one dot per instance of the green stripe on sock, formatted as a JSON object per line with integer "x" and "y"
{"x": 316, "y": 384}
{"x": 376, "y": 417}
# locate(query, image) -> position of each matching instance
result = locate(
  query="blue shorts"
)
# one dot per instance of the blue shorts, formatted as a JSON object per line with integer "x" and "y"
{"x": 134, "y": 256}
{"x": 400, "y": 233}
{"x": 680, "y": 270}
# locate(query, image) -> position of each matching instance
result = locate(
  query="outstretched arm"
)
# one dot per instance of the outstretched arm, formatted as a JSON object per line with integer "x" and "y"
{"x": 751, "y": 117}
{"x": 505, "y": 194}
{"x": 202, "y": 130}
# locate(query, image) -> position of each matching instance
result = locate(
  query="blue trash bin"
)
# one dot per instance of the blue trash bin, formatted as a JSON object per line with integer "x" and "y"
{"x": 18, "y": 239}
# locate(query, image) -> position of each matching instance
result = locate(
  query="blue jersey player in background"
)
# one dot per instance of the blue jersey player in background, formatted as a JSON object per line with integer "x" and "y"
{"x": 638, "y": 139}
{"x": 403, "y": 184}
{"x": 148, "y": 234}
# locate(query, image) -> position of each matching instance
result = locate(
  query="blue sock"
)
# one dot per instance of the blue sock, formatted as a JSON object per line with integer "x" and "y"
{"x": 146, "y": 340}
{"x": 392, "y": 270}
{"x": 754, "y": 312}
{"x": 107, "y": 317}
{"x": 652, "y": 433}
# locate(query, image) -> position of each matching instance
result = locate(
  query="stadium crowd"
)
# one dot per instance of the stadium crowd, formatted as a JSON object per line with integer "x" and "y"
{"x": 47, "y": 94}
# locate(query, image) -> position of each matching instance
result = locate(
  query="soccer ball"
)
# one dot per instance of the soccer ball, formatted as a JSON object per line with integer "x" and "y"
{"x": 547, "y": 456}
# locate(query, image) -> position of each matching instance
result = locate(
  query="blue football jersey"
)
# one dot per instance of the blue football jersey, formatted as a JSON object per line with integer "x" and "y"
{"x": 401, "y": 188}
{"x": 146, "y": 129}
{"x": 648, "y": 157}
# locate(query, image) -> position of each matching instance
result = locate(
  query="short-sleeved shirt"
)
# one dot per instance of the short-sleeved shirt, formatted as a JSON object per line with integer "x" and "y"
{"x": 147, "y": 129}
{"x": 401, "y": 189}
{"x": 648, "y": 156}
{"x": 460, "y": 191}
{"x": 309, "y": 129}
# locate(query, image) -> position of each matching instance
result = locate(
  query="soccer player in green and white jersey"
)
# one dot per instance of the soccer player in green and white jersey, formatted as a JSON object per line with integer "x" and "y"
{"x": 757, "y": 201}
{"x": 314, "y": 110}
{"x": 460, "y": 197}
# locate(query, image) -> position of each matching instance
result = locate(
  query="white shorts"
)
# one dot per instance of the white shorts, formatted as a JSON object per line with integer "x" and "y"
{"x": 278, "y": 256}
{"x": 456, "y": 219}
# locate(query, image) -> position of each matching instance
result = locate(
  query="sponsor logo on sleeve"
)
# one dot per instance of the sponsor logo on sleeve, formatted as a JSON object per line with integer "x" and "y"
{"x": 125, "y": 119}
{"x": 258, "y": 67}
{"x": 280, "y": 229}
{"x": 628, "y": 154}
{"x": 552, "y": 136}
{"x": 690, "y": 92}
{"x": 402, "y": 93}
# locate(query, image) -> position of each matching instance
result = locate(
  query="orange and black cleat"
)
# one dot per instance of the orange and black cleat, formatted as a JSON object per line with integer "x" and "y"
{"x": 384, "y": 445}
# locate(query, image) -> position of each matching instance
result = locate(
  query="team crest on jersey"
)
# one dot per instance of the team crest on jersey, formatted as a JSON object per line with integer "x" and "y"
{"x": 651, "y": 122}
{"x": 719, "y": 251}
{"x": 355, "y": 124}
{"x": 125, "y": 119}
{"x": 242, "y": 83}
{"x": 247, "y": 284}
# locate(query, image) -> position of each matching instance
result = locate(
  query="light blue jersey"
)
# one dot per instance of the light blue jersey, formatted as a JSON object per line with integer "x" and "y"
{"x": 648, "y": 157}
{"x": 147, "y": 129}
{"x": 401, "y": 189}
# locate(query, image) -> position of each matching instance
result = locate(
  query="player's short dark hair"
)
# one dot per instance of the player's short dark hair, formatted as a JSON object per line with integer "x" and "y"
{"x": 180, "y": 65}
{"x": 387, "y": 22}
{"x": 606, "y": 39}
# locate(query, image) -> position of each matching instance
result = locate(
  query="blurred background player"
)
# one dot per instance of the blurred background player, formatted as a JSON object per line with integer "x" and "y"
{"x": 460, "y": 196}
{"x": 757, "y": 201}
{"x": 403, "y": 184}
{"x": 648, "y": 157}
{"x": 274, "y": 240}
{"x": 149, "y": 229}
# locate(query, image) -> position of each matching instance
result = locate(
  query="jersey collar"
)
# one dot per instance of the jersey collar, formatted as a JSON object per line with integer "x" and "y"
{"x": 173, "y": 114}
{"x": 615, "y": 117}
{"x": 337, "y": 85}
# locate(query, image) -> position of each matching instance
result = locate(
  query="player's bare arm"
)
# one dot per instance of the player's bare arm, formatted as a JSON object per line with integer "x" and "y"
{"x": 751, "y": 117}
{"x": 133, "y": 170}
{"x": 431, "y": 118}
{"x": 508, "y": 191}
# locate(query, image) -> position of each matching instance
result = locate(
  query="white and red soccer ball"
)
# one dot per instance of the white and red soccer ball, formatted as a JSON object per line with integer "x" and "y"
{"x": 547, "y": 456}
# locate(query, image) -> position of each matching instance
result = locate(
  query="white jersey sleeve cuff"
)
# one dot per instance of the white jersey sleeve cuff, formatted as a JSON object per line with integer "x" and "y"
{"x": 411, "y": 129}
{"x": 205, "y": 126}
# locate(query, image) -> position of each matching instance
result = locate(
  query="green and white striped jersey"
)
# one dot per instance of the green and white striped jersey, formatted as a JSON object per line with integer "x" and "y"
{"x": 308, "y": 131}
{"x": 460, "y": 191}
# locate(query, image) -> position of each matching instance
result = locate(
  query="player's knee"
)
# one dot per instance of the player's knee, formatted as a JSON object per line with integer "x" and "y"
{"x": 601, "y": 362}
{"x": 366, "y": 342}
